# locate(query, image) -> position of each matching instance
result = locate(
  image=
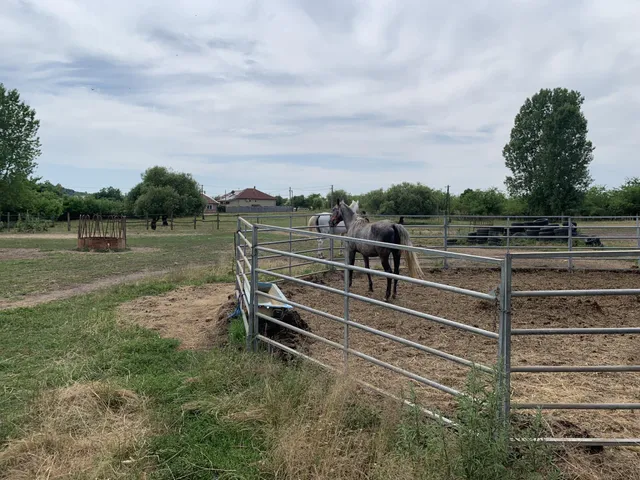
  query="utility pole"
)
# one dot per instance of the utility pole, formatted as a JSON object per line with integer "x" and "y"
{"x": 448, "y": 203}
{"x": 291, "y": 198}
{"x": 331, "y": 200}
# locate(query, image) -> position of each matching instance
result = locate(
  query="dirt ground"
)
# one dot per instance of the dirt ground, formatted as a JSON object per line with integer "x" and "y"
{"x": 33, "y": 253}
{"x": 194, "y": 315}
{"x": 40, "y": 298}
{"x": 526, "y": 350}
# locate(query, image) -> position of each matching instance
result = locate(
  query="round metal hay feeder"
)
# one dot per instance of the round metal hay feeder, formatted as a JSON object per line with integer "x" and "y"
{"x": 102, "y": 233}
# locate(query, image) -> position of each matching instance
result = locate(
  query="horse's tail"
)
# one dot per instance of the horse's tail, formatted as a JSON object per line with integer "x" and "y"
{"x": 313, "y": 222}
{"x": 412, "y": 259}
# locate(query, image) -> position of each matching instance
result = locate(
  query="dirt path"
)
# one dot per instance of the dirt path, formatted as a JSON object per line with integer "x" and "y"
{"x": 37, "y": 299}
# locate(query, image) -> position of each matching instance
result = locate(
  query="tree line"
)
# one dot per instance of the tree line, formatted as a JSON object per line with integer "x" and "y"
{"x": 548, "y": 155}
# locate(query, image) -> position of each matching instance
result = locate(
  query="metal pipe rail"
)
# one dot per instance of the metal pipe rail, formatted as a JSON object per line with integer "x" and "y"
{"x": 364, "y": 356}
{"x": 577, "y": 331}
{"x": 575, "y": 368}
{"x": 429, "y": 413}
{"x": 576, "y": 406}
{"x": 426, "y": 251}
{"x": 600, "y": 442}
{"x": 417, "y": 281}
{"x": 408, "y": 311}
{"x": 389, "y": 336}
{"x": 576, "y": 293}
{"x": 565, "y": 254}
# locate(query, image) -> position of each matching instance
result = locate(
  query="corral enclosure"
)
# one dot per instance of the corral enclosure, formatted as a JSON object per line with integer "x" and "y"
{"x": 604, "y": 402}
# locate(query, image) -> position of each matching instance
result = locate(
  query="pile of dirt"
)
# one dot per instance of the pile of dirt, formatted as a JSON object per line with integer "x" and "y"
{"x": 85, "y": 429}
{"x": 199, "y": 317}
{"x": 195, "y": 315}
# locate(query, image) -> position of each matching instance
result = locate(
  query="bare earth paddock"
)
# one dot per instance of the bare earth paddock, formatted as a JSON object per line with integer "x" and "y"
{"x": 558, "y": 312}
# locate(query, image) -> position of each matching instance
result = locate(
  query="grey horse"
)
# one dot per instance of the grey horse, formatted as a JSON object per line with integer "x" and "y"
{"x": 382, "y": 231}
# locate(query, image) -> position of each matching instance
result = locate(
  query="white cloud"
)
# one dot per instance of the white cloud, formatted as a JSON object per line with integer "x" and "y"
{"x": 225, "y": 91}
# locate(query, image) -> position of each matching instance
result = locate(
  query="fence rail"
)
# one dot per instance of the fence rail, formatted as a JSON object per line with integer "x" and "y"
{"x": 251, "y": 251}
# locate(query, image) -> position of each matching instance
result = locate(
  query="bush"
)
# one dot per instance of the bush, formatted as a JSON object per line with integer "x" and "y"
{"x": 32, "y": 225}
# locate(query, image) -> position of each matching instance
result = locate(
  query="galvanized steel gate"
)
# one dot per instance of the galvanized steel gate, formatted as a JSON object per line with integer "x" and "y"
{"x": 249, "y": 250}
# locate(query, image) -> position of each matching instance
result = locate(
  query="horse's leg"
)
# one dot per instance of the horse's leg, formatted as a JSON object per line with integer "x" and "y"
{"x": 384, "y": 258}
{"x": 352, "y": 260}
{"x": 320, "y": 244}
{"x": 366, "y": 265}
{"x": 396, "y": 269}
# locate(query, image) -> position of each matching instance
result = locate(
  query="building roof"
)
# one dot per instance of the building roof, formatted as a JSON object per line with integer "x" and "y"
{"x": 209, "y": 199}
{"x": 246, "y": 194}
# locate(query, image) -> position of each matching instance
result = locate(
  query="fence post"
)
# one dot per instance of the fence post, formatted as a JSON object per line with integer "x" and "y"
{"x": 171, "y": 221}
{"x": 146, "y": 216}
{"x": 290, "y": 242}
{"x": 254, "y": 324}
{"x": 195, "y": 221}
{"x": 508, "y": 234}
{"x": 347, "y": 275}
{"x": 570, "y": 243}
{"x": 217, "y": 220}
{"x": 68, "y": 221}
{"x": 8, "y": 221}
{"x": 504, "y": 339}
{"x": 331, "y": 253}
{"x": 638, "y": 234}
{"x": 446, "y": 240}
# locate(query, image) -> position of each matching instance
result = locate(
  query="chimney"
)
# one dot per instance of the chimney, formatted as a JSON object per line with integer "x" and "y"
{"x": 254, "y": 187}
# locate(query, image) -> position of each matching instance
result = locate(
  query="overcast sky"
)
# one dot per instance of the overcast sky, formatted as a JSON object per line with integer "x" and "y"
{"x": 277, "y": 93}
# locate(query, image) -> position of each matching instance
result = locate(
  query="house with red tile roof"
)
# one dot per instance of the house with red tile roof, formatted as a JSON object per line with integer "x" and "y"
{"x": 249, "y": 197}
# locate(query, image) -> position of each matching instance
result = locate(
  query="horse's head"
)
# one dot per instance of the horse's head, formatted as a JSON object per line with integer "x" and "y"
{"x": 336, "y": 214}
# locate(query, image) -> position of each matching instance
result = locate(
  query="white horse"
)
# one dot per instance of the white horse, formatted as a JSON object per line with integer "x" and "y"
{"x": 320, "y": 224}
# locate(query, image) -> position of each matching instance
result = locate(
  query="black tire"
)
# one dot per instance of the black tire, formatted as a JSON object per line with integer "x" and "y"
{"x": 516, "y": 227}
{"x": 452, "y": 241}
{"x": 471, "y": 238}
{"x": 566, "y": 224}
{"x": 532, "y": 232}
{"x": 547, "y": 232}
{"x": 541, "y": 222}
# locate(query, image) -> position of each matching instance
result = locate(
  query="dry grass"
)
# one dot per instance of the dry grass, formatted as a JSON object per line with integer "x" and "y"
{"x": 86, "y": 430}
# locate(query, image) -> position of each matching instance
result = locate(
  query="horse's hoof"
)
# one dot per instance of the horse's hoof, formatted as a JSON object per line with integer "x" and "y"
{"x": 371, "y": 289}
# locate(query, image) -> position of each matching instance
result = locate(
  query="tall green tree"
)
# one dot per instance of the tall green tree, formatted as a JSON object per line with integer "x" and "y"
{"x": 111, "y": 193}
{"x": 19, "y": 145}
{"x": 165, "y": 192}
{"x": 549, "y": 153}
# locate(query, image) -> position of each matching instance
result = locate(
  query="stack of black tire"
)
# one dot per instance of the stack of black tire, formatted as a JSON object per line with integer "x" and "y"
{"x": 486, "y": 235}
{"x": 539, "y": 227}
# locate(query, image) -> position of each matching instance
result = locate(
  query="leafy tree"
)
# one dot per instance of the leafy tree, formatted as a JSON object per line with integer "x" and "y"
{"x": 157, "y": 200}
{"x": 597, "y": 201}
{"x": 548, "y": 152}
{"x": 481, "y": 202}
{"x": 298, "y": 201}
{"x": 625, "y": 200}
{"x": 339, "y": 195}
{"x": 19, "y": 146}
{"x": 372, "y": 201}
{"x": 110, "y": 193}
{"x": 315, "y": 201}
{"x": 410, "y": 199}
{"x": 164, "y": 192}
{"x": 280, "y": 200}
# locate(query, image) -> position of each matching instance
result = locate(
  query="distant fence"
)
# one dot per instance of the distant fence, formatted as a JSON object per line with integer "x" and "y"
{"x": 256, "y": 209}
